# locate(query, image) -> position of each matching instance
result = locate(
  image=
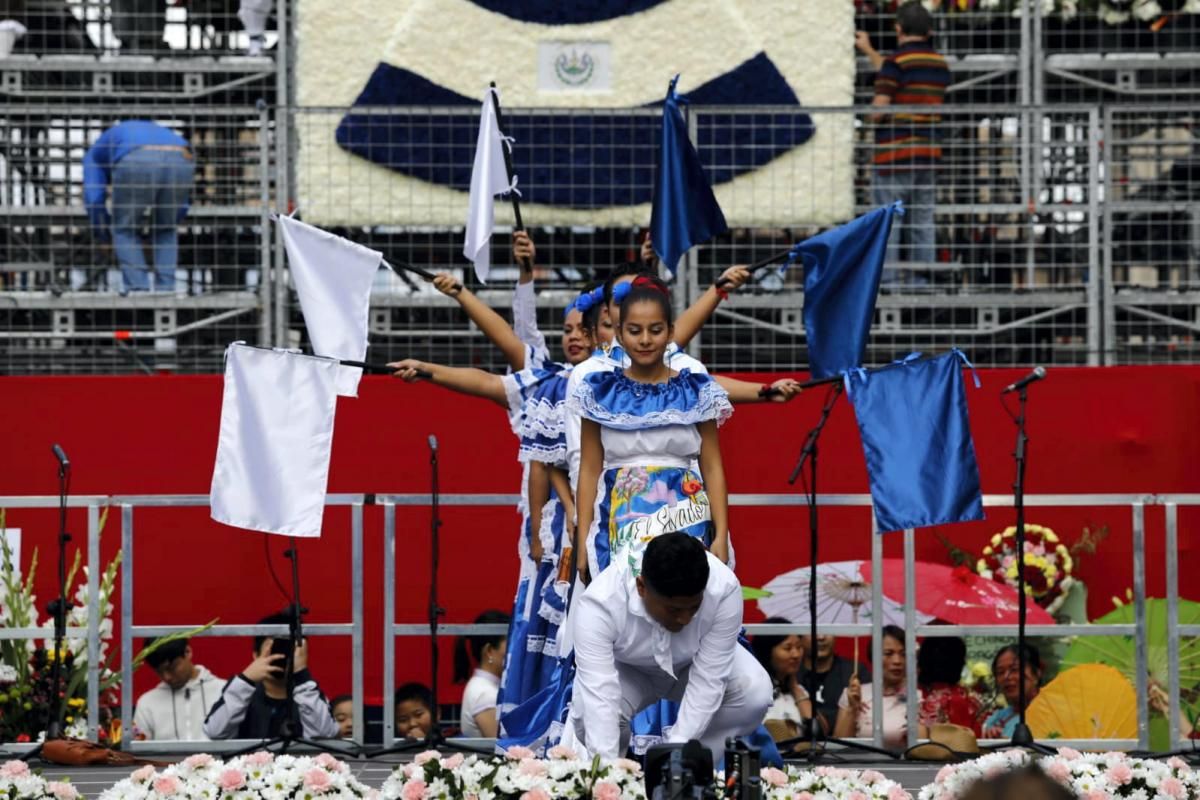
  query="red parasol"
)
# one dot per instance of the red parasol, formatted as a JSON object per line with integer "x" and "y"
{"x": 957, "y": 595}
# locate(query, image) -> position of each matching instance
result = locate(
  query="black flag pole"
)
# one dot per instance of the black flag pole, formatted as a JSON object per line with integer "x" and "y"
{"x": 506, "y": 149}
{"x": 761, "y": 264}
{"x": 424, "y": 273}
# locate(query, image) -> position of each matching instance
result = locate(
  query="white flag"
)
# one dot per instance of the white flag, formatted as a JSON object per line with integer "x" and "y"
{"x": 333, "y": 278}
{"x": 488, "y": 179}
{"x": 276, "y": 435}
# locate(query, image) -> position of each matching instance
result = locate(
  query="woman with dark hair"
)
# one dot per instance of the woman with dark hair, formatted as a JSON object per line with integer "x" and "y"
{"x": 780, "y": 656}
{"x": 1006, "y": 671}
{"x": 940, "y": 662}
{"x": 485, "y": 655}
{"x": 855, "y": 714}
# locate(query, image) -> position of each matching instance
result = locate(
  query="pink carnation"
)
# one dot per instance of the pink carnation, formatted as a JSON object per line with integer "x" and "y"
{"x": 946, "y": 773}
{"x": 413, "y": 790}
{"x": 1174, "y": 762}
{"x": 856, "y": 796}
{"x": 1173, "y": 787}
{"x": 534, "y": 794}
{"x": 533, "y": 768}
{"x": 330, "y": 763}
{"x": 317, "y": 780}
{"x": 1059, "y": 771}
{"x": 1097, "y": 794}
{"x": 562, "y": 752}
{"x": 14, "y": 769}
{"x": 454, "y": 762}
{"x": 775, "y": 777}
{"x": 198, "y": 760}
{"x": 142, "y": 774}
{"x": 1119, "y": 773}
{"x": 802, "y": 796}
{"x": 872, "y": 776}
{"x": 420, "y": 759}
{"x": 167, "y": 784}
{"x": 606, "y": 790}
{"x": 260, "y": 759}
{"x": 1070, "y": 754}
{"x": 517, "y": 753}
{"x": 898, "y": 793}
{"x": 628, "y": 765}
{"x": 62, "y": 791}
{"x": 231, "y": 780}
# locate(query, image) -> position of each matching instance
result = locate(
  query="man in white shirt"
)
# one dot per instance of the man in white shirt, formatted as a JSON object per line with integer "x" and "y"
{"x": 177, "y": 706}
{"x": 669, "y": 633}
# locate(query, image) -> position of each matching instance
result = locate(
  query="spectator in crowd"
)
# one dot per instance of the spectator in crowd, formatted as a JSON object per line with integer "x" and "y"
{"x": 254, "y": 703}
{"x": 833, "y": 676}
{"x": 906, "y": 144}
{"x": 1007, "y": 674}
{"x": 342, "y": 708}
{"x": 177, "y": 706}
{"x": 780, "y": 656}
{"x": 139, "y": 24}
{"x": 940, "y": 662}
{"x": 855, "y": 715}
{"x": 415, "y": 714}
{"x": 150, "y": 169}
{"x": 254, "y": 15}
{"x": 487, "y": 654}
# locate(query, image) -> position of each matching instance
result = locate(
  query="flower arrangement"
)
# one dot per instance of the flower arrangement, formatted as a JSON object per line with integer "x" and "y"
{"x": 517, "y": 775}
{"x": 26, "y": 667}
{"x": 260, "y": 774}
{"x": 829, "y": 783}
{"x": 1048, "y": 565}
{"x": 19, "y": 782}
{"x": 1094, "y": 776}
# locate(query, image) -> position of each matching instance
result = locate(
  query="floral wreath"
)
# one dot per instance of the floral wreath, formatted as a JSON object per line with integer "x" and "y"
{"x": 1048, "y": 564}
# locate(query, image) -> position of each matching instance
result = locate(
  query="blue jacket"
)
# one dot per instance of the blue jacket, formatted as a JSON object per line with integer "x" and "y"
{"x": 113, "y": 145}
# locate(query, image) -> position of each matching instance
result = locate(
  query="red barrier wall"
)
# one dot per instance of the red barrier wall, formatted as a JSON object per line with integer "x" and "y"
{"x": 1092, "y": 430}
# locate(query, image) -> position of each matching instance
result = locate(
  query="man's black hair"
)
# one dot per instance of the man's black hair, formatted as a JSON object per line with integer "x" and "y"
{"x": 415, "y": 691}
{"x": 675, "y": 565}
{"x": 280, "y": 618}
{"x": 341, "y": 698}
{"x": 914, "y": 19}
{"x": 941, "y": 659}
{"x": 166, "y": 653}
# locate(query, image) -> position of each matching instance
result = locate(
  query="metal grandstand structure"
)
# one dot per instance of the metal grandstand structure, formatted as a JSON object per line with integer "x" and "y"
{"x": 1068, "y": 203}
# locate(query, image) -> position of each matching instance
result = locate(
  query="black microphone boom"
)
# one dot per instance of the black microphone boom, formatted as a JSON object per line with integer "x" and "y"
{"x": 60, "y": 455}
{"x": 1037, "y": 374}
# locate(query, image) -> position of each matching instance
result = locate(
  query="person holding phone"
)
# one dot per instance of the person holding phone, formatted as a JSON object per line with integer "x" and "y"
{"x": 254, "y": 703}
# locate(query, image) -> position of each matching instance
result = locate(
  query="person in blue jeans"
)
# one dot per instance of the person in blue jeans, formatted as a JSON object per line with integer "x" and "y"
{"x": 150, "y": 169}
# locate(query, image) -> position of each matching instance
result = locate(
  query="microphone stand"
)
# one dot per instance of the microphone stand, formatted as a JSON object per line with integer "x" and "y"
{"x": 1022, "y": 737}
{"x": 57, "y": 608}
{"x": 435, "y": 740}
{"x": 814, "y": 735}
{"x": 291, "y": 730}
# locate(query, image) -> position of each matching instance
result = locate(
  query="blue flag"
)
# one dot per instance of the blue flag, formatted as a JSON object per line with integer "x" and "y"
{"x": 917, "y": 441}
{"x": 841, "y": 281}
{"x": 685, "y": 212}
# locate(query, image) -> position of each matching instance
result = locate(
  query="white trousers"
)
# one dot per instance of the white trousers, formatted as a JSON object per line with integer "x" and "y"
{"x": 748, "y": 695}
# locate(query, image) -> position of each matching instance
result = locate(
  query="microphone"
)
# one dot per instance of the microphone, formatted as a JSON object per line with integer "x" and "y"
{"x": 63, "y": 461}
{"x": 433, "y": 443}
{"x": 1037, "y": 374}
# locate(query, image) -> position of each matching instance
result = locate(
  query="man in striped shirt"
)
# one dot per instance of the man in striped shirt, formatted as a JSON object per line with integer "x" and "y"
{"x": 906, "y": 144}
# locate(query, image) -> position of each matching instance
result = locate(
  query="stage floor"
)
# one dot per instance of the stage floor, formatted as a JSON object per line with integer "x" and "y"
{"x": 92, "y": 781}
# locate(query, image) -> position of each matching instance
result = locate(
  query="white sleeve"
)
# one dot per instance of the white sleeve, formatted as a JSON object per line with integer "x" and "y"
{"x": 571, "y": 430}
{"x": 597, "y": 690}
{"x": 710, "y": 670}
{"x": 524, "y": 310}
{"x": 143, "y": 719}
{"x": 478, "y": 697}
{"x": 316, "y": 720}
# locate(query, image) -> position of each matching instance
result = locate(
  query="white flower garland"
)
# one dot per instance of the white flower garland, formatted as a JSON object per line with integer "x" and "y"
{"x": 19, "y": 782}
{"x": 258, "y": 775}
{"x": 1094, "y": 776}
{"x": 517, "y": 775}
{"x": 829, "y": 783}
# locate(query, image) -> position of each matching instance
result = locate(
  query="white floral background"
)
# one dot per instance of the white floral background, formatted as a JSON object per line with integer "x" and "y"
{"x": 461, "y": 47}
